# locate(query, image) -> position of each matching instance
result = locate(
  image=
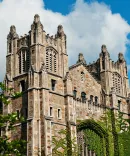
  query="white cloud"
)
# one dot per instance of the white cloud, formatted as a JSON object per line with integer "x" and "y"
{"x": 87, "y": 26}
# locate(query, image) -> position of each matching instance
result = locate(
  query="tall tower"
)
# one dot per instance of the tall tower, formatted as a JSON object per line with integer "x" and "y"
{"x": 36, "y": 64}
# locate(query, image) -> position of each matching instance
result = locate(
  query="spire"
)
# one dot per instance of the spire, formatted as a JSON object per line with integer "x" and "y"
{"x": 81, "y": 58}
{"x": 12, "y": 34}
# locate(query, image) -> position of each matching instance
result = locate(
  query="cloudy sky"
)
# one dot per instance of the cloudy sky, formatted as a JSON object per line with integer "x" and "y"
{"x": 87, "y": 24}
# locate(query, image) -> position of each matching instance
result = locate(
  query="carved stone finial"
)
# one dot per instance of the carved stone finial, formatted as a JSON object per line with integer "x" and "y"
{"x": 121, "y": 58}
{"x": 60, "y": 31}
{"x": 36, "y": 18}
{"x": 36, "y": 23}
{"x": 104, "y": 48}
{"x": 81, "y": 58}
{"x": 12, "y": 34}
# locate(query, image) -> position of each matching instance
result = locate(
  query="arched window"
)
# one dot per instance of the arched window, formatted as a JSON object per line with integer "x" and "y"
{"x": 74, "y": 93}
{"x": 51, "y": 60}
{"x": 83, "y": 96}
{"x": 82, "y": 76}
{"x": 117, "y": 82}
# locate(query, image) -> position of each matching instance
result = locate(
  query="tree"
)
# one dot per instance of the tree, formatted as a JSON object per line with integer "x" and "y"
{"x": 8, "y": 146}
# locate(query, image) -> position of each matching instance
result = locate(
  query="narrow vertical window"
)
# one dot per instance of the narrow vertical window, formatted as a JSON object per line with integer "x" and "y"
{"x": 59, "y": 114}
{"x": 20, "y": 63}
{"x": 119, "y": 105}
{"x": 55, "y": 64}
{"x": 50, "y": 62}
{"x": 53, "y": 84}
{"x": 47, "y": 60}
{"x": 22, "y": 86}
{"x": 23, "y": 61}
{"x": 18, "y": 114}
{"x": 74, "y": 93}
{"x": 91, "y": 98}
{"x": 82, "y": 76}
{"x": 28, "y": 60}
{"x": 51, "y": 109}
{"x": 96, "y": 100}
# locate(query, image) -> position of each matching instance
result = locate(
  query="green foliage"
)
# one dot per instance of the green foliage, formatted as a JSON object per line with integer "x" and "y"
{"x": 118, "y": 131}
{"x": 8, "y": 146}
{"x": 60, "y": 144}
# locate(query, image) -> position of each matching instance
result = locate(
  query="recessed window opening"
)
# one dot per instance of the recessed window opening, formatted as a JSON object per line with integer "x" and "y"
{"x": 22, "y": 86}
{"x": 18, "y": 114}
{"x": 53, "y": 84}
{"x": 59, "y": 113}
{"x": 82, "y": 76}
{"x": 96, "y": 100}
{"x": 83, "y": 96}
{"x": 74, "y": 93}
{"x": 51, "y": 111}
{"x": 91, "y": 98}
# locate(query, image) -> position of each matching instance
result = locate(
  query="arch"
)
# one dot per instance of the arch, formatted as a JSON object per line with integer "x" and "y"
{"x": 51, "y": 59}
{"x": 92, "y": 125}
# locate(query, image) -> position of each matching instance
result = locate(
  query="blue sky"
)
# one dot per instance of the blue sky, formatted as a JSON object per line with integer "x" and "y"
{"x": 88, "y": 24}
{"x": 117, "y": 6}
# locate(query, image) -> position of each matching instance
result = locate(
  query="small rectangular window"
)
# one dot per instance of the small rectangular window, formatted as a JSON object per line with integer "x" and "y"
{"x": 51, "y": 111}
{"x": 53, "y": 84}
{"x": 59, "y": 114}
{"x": 18, "y": 114}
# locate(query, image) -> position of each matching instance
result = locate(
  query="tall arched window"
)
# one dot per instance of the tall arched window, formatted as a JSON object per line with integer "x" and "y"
{"x": 83, "y": 96}
{"x": 117, "y": 82}
{"x": 51, "y": 59}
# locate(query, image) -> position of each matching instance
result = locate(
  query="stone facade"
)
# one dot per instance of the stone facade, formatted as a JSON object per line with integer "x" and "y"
{"x": 55, "y": 94}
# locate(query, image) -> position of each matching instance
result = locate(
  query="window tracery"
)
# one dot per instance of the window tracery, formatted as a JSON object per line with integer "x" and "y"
{"x": 51, "y": 60}
{"x": 24, "y": 61}
{"x": 117, "y": 82}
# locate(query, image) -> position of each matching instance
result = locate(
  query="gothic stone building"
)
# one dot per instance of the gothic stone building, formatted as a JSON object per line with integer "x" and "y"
{"x": 55, "y": 94}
